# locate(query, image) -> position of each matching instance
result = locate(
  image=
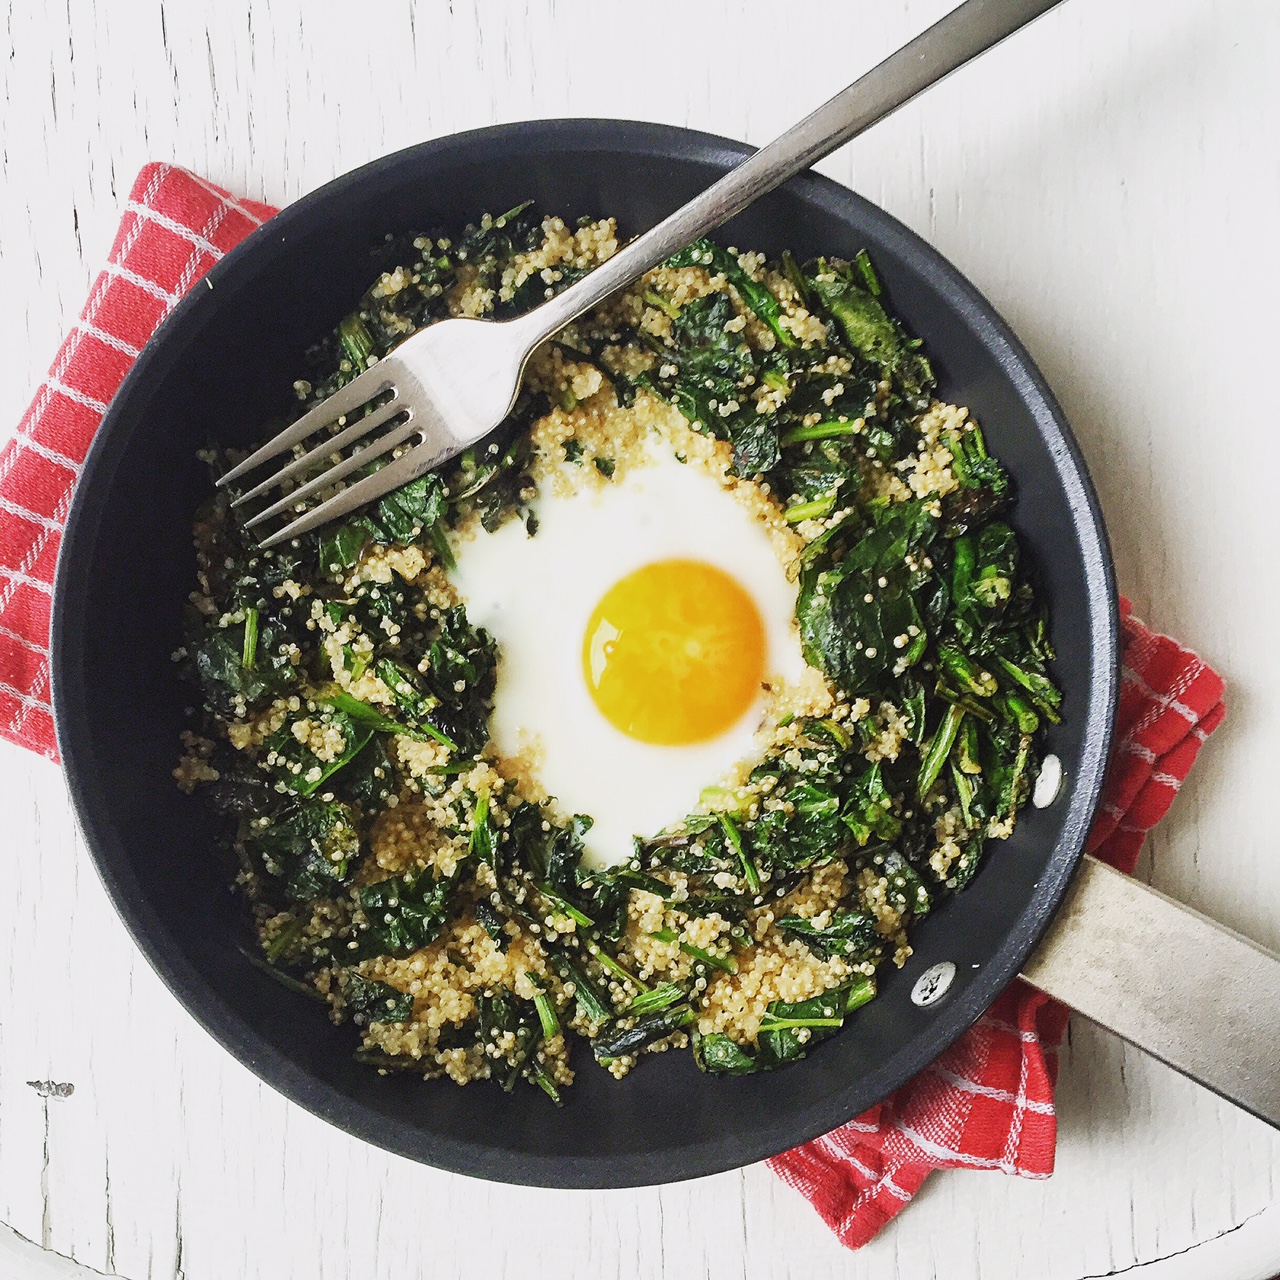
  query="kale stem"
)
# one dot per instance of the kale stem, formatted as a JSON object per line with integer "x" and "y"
{"x": 735, "y": 839}
{"x": 1021, "y": 714}
{"x": 440, "y": 543}
{"x": 967, "y": 747}
{"x": 593, "y": 1004}
{"x": 249, "y": 654}
{"x": 651, "y": 1001}
{"x": 356, "y": 340}
{"x": 959, "y": 464}
{"x": 610, "y": 965}
{"x": 770, "y": 1023}
{"x": 964, "y": 793}
{"x": 938, "y": 750}
{"x": 442, "y": 738}
{"x": 710, "y": 796}
{"x": 868, "y": 273}
{"x": 836, "y": 731}
{"x": 359, "y": 663}
{"x": 859, "y": 994}
{"x": 967, "y": 672}
{"x": 546, "y": 1014}
{"x": 727, "y": 963}
{"x": 1014, "y": 789}
{"x": 811, "y": 510}
{"x": 564, "y": 906}
{"x": 283, "y": 940}
{"x": 793, "y": 273}
{"x": 482, "y": 840}
{"x": 480, "y": 476}
{"x": 656, "y": 300}
{"x": 538, "y": 1074}
{"x": 819, "y": 431}
{"x": 1044, "y": 693}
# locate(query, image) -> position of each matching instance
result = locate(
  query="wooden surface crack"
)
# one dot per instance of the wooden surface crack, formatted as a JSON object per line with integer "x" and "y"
{"x": 1176, "y": 1253}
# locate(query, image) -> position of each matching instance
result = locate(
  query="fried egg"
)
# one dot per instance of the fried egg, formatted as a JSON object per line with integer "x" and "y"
{"x": 636, "y": 630}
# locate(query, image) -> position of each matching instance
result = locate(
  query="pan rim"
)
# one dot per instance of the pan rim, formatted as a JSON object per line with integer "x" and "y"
{"x": 203, "y": 1002}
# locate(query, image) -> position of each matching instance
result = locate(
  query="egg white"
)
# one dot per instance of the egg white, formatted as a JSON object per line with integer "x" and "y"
{"x": 535, "y": 595}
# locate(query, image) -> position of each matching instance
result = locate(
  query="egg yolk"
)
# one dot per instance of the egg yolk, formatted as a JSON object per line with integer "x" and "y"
{"x": 674, "y": 652}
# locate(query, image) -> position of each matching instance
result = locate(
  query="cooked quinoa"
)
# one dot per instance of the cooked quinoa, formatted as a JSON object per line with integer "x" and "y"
{"x": 422, "y": 885}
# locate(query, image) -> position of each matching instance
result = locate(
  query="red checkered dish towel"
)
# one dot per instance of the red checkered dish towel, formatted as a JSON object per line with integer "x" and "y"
{"x": 987, "y": 1103}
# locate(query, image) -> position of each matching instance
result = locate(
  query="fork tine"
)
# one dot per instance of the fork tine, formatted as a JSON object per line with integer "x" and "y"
{"x": 334, "y": 444}
{"x": 409, "y": 466}
{"x": 336, "y": 472}
{"x": 343, "y": 401}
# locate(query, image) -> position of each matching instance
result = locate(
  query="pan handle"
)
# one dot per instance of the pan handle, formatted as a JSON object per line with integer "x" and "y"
{"x": 1190, "y": 992}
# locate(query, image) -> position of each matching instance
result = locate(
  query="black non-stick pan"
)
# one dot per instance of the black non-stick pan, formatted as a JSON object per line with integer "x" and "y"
{"x": 223, "y": 364}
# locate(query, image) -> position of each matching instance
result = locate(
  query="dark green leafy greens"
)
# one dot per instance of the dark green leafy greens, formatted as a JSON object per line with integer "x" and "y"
{"x": 372, "y": 1001}
{"x": 403, "y": 913}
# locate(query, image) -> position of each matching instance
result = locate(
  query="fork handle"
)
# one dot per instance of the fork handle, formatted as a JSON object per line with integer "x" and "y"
{"x": 964, "y": 33}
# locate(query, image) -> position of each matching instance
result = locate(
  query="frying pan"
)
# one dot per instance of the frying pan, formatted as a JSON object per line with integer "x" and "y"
{"x": 222, "y": 365}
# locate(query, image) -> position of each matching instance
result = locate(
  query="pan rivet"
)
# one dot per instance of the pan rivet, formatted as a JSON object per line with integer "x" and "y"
{"x": 1048, "y": 782}
{"x": 933, "y": 984}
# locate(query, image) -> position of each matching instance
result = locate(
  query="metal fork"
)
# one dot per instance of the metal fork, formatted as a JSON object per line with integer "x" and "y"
{"x": 453, "y": 382}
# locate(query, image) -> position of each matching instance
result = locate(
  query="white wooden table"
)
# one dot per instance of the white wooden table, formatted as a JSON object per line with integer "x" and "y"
{"x": 1109, "y": 179}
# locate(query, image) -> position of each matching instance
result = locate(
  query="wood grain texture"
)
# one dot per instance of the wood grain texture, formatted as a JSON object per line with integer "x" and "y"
{"x": 1109, "y": 179}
